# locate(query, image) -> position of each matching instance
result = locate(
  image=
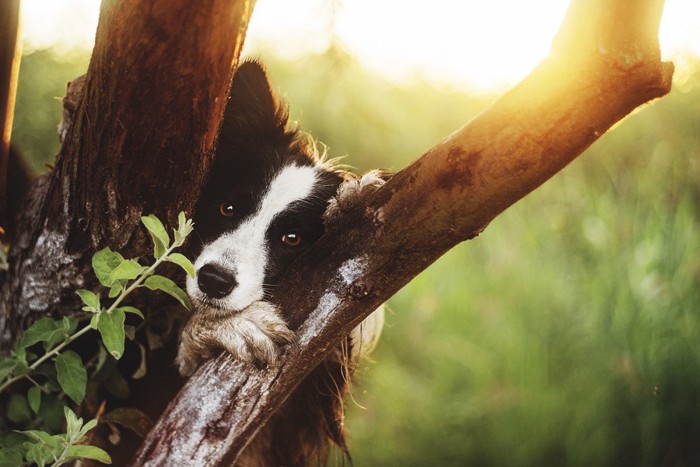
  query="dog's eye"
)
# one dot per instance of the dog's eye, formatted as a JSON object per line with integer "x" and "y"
{"x": 291, "y": 239}
{"x": 226, "y": 209}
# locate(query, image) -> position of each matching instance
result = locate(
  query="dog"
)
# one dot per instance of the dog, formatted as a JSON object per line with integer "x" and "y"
{"x": 265, "y": 202}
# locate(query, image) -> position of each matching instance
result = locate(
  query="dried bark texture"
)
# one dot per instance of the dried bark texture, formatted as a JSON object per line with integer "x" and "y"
{"x": 141, "y": 141}
{"x": 9, "y": 66}
{"x": 605, "y": 62}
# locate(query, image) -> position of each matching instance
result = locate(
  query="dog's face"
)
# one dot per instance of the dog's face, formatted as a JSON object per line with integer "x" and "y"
{"x": 264, "y": 201}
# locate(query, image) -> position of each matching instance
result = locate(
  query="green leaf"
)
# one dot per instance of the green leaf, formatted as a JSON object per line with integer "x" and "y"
{"x": 34, "y": 398}
{"x": 71, "y": 323}
{"x": 115, "y": 290}
{"x": 94, "y": 321}
{"x": 7, "y": 366}
{"x": 17, "y": 409}
{"x": 51, "y": 411}
{"x": 104, "y": 262}
{"x": 21, "y": 369}
{"x": 159, "y": 235}
{"x": 182, "y": 261}
{"x": 184, "y": 228}
{"x": 41, "y": 331}
{"x": 128, "y": 269}
{"x": 82, "y": 451}
{"x": 41, "y": 437}
{"x": 40, "y": 454}
{"x": 73, "y": 423}
{"x": 90, "y": 299}
{"x": 11, "y": 439}
{"x": 132, "y": 310}
{"x": 10, "y": 457}
{"x": 71, "y": 375}
{"x": 20, "y": 352}
{"x": 166, "y": 285}
{"x": 66, "y": 328}
{"x": 111, "y": 327}
{"x": 87, "y": 427}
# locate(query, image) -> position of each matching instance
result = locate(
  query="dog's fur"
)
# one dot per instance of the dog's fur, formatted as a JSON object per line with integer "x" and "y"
{"x": 264, "y": 203}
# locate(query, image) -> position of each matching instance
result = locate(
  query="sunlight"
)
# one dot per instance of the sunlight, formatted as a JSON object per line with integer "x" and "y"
{"x": 463, "y": 42}
{"x": 62, "y": 24}
{"x": 480, "y": 45}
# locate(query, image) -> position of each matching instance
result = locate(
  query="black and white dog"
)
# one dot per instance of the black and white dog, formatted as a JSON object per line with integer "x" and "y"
{"x": 264, "y": 203}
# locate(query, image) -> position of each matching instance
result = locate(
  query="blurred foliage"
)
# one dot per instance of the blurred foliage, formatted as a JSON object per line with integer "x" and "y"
{"x": 42, "y": 84}
{"x": 568, "y": 333}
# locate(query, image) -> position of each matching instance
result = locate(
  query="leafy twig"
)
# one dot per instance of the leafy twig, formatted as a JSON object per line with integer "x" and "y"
{"x": 121, "y": 277}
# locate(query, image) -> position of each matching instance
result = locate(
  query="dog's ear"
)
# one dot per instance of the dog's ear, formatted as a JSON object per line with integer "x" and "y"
{"x": 253, "y": 108}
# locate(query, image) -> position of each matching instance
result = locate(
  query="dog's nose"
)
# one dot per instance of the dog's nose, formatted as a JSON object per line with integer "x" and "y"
{"x": 215, "y": 281}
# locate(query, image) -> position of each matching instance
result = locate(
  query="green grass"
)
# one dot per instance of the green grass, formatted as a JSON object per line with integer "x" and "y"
{"x": 568, "y": 333}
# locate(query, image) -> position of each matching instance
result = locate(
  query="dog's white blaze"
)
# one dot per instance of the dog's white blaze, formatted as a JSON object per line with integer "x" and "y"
{"x": 244, "y": 251}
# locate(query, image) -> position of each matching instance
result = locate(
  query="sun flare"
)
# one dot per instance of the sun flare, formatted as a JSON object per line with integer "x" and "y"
{"x": 483, "y": 46}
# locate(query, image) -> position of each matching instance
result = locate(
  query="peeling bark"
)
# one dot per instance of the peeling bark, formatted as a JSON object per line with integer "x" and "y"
{"x": 603, "y": 65}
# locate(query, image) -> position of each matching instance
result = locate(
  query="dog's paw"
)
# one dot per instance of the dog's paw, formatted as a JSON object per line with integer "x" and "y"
{"x": 351, "y": 193}
{"x": 254, "y": 335}
{"x": 197, "y": 343}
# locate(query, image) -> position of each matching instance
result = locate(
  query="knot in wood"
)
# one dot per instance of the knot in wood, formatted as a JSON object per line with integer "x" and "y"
{"x": 359, "y": 290}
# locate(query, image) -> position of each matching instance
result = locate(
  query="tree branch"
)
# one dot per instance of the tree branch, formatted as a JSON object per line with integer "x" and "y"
{"x": 605, "y": 63}
{"x": 141, "y": 142}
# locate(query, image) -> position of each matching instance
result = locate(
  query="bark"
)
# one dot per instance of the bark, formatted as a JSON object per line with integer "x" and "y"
{"x": 9, "y": 66}
{"x": 605, "y": 62}
{"x": 141, "y": 141}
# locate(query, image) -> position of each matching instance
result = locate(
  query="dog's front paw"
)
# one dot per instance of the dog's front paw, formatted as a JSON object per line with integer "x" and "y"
{"x": 256, "y": 334}
{"x": 351, "y": 193}
{"x": 197, "y": 343}
{"x": 253, "y": 335}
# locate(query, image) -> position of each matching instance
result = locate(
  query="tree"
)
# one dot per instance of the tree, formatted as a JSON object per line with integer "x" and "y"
{"x": 9, "y": 66}
{"x": 121, "y": 159}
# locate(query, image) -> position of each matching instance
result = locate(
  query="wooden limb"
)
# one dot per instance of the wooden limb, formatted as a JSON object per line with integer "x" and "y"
{"x": 141, "y": 142}
{"x": 597, "y": 73}
{"x": 10, "y": 54}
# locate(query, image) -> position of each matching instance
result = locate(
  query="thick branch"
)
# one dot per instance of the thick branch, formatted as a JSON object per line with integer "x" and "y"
{"x": 597, "y": 73}
{"x": 141, "y": 141}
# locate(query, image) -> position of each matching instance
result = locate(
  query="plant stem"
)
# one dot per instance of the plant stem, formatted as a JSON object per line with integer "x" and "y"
{"x": 139, "y": 280}
{"x": 47, "y": 355}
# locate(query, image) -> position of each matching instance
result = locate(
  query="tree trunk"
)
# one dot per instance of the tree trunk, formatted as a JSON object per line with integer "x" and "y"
{"x": 605, "y": 62}
{"x": 141, "y": 141}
